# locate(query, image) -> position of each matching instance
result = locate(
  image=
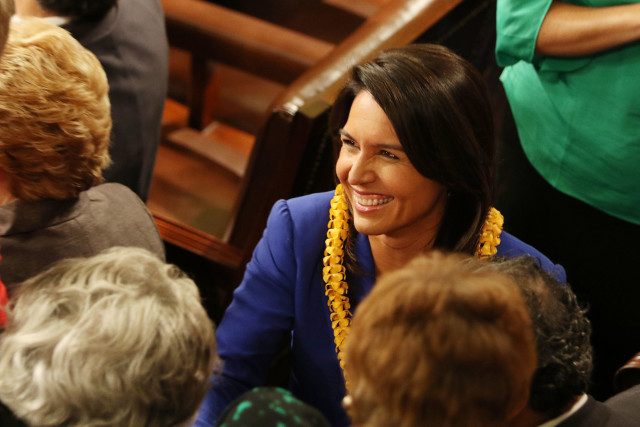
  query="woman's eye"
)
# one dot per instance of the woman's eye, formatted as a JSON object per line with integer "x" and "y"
{"x": 347, "y": 142}
{"x": 388, "y": 154}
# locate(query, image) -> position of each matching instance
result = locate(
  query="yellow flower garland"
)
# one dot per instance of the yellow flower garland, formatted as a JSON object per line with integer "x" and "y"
{"x": 490, "y": 234}
{"x": 334, "y": 273}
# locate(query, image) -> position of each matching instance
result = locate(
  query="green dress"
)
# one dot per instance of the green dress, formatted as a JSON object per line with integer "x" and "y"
{"x": 578, "y": 118}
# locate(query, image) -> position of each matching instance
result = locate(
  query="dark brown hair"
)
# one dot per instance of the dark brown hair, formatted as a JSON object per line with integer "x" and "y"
{"x": 562, "y": 331}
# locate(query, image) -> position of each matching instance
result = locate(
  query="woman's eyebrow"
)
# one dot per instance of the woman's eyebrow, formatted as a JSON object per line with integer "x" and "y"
{"x": 345, "y": 133}
{"x": 395, "y": 147}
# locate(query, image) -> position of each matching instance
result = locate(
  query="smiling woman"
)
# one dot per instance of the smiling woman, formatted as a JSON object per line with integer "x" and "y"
{"x": 437, "y": 107}
{"x": 391, "y": 201}
{"x": 416, "y": 170}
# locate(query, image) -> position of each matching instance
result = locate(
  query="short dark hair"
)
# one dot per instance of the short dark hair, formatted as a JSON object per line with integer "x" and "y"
{"x": 85, "y": 9}
{"x": 439, "y": 107}
{"x": 562, "y": 332}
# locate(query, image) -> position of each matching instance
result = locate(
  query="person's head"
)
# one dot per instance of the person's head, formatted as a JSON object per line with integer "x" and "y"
{"x": 417, "y": 144}
{"x": 435, "y": 343}
{"x": 562, "y": 332}
{"x": 118, "y": 339}
{"x": 55, "y": 118}
{"x": 6, "y": 10}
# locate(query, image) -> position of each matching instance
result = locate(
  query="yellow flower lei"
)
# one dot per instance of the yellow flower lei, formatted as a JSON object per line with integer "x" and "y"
{"x": 334, "y": 273}
{"x": 490, "y": 234}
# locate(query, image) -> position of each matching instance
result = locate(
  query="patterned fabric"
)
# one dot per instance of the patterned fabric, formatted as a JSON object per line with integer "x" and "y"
{"x": 268, "y": 406}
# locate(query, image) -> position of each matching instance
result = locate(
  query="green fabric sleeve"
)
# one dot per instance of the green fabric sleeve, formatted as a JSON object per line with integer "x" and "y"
{"x": 517, "y": 24}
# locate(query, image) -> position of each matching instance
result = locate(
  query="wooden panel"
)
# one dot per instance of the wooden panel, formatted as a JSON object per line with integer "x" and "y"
{"x": 220, "y": 34}
{"x": 219, "y": 145}
{"x": 193, "y": 191}
{"x": 396, "y": 24}
{"x": 364, "y": 8}
{"x": 198, "y": 242}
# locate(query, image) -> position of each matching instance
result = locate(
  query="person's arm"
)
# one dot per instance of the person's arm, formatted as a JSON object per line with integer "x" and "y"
{"x": 259, "y": 319}
{"x": 571, "y": 30}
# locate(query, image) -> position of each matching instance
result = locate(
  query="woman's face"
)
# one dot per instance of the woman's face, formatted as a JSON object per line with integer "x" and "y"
{"x": 388, "y": 195}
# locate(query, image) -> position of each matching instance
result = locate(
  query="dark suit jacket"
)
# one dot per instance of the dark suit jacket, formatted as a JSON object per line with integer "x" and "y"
{"x": 627, "y": 402}
{"x": 34, "y": 235}
{"x": 131, "y": 44}
{"x": 7, "y": 419}
{"x": 597, "y": 414}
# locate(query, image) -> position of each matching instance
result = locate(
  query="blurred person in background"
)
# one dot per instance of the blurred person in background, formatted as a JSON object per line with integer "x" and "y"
{"x": 54, "y": 136}
{"x": 558, "y": 395}
{"x": 129, "y": 39}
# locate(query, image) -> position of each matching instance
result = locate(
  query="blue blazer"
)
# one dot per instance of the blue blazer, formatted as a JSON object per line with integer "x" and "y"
{"x": 282, "y": 298}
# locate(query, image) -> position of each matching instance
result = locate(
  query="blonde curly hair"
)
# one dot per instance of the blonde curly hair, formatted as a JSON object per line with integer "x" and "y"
{"x": 118, "y": 339}
{"x": 55, "y": 115}
{"x": 436, "y": 344}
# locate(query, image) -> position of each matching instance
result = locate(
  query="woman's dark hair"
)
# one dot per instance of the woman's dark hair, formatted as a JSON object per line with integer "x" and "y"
{"x": 562, "y": 332}
{"x": 439, "y": 107}
{"x": 79, "y": 9}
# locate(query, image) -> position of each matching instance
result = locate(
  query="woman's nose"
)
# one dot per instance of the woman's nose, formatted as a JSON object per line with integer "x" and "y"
{"x": 361, "y": 171}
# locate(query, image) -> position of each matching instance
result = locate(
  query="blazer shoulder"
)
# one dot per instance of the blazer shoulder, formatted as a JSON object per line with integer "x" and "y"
{"x": 303, "y": 220}
{"x": 511, "y": 246}
{"x": 305, "y": 212}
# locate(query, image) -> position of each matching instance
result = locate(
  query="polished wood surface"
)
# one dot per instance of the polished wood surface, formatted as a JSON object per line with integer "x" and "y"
{"x": 220, "y": 34}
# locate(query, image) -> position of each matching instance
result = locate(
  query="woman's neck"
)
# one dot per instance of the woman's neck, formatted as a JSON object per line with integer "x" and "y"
{"x": 391, "y": 253}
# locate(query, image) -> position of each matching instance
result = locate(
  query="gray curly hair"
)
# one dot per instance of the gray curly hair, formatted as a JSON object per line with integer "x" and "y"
{"x": 118, "y": 339}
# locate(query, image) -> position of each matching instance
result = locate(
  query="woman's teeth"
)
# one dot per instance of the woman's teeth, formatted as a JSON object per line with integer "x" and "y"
{"x": 372, "y": 202}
